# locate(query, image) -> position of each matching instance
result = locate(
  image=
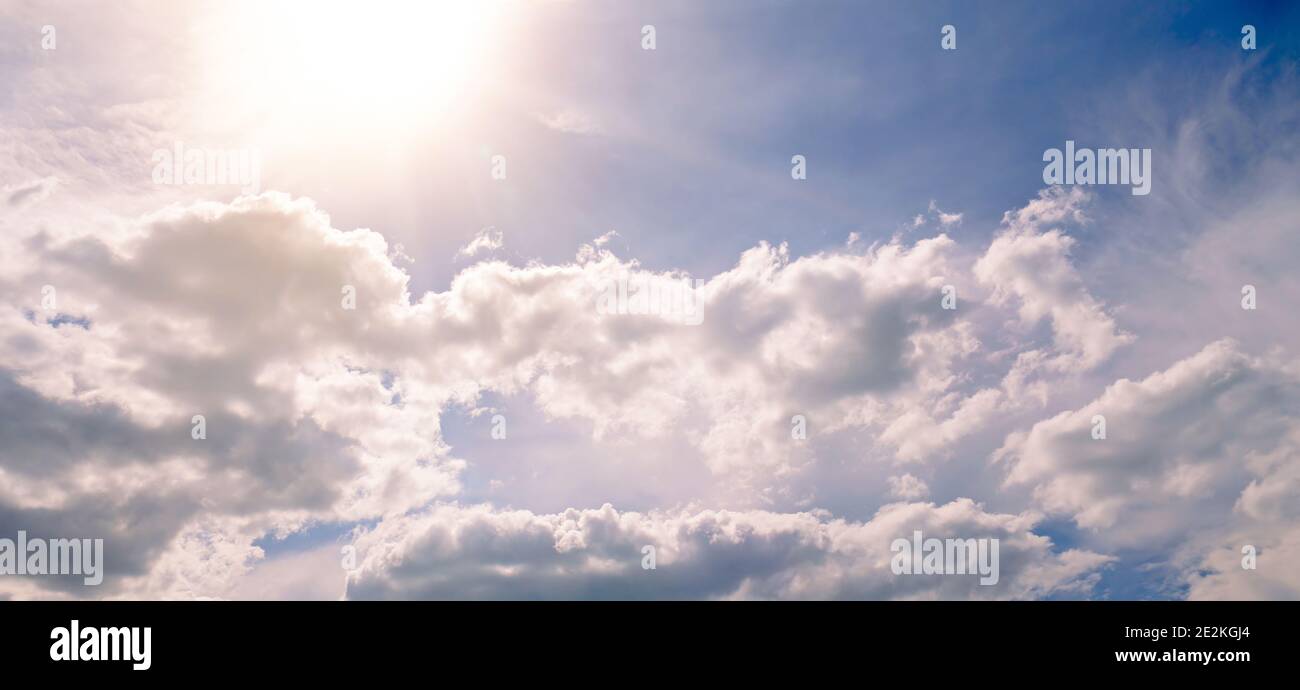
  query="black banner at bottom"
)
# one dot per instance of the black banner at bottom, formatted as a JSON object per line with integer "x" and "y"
{"x": 768, "y": 641}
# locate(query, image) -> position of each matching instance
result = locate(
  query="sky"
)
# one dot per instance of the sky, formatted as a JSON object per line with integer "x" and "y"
{"x": 378, "y": 363}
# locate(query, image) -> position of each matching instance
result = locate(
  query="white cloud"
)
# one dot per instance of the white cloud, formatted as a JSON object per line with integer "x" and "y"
{"x": 1032, "y": 266}
{"x": 31, "y": 192}
{"x": 486, "y": 240}
{"x": 908, "y": 488}
{"x": 1181, "y": 447}
{"x": 1214, "y": 569}
{"x": 945, "y": 219}
{"x": 452, "y": 552}
{"x": 235, "y": 311}
{"x": 570, "y": 121}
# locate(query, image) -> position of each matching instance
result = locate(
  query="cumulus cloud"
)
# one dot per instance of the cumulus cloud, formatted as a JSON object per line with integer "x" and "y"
{"x": 1028, "y": 268}
{"x": 324, "y": 382}
{"x": 933, "y": 213}
{"x": 908, "y": 487}
{"x": 1217, "y": 568}
{"x": 945, "y": 219}
{"x": 231, "y": 313}
{"x": 452, "y": 552}
{"x": 1181, "y": 446}
{"x": 1197, "y": 460}
{"x": 1031, "y": 265}
{"x": 486, "y": 240}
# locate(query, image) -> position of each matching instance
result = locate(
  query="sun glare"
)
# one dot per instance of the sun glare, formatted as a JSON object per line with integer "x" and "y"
{"x": 352, "y": 65}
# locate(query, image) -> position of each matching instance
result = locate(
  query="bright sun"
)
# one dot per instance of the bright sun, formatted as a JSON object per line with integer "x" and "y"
{"x": 343, "y": 64}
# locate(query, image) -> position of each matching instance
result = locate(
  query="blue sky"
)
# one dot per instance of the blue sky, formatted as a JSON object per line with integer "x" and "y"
{"x": 887, "y": 122}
